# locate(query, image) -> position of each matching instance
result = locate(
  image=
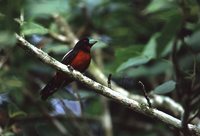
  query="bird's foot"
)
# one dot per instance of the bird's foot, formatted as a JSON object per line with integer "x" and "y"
{"x": 70, "y": 68}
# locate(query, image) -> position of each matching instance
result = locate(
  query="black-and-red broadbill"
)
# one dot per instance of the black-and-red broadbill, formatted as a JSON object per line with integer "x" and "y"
{"x": 79, "y": 58}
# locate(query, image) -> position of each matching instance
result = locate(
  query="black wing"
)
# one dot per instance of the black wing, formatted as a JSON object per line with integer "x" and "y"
{"x": 57, "y": 80}
{"x": 69, "y": 57}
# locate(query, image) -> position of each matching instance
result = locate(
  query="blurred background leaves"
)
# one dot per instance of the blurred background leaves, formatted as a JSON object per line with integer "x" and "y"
{"x": 153, "y": 41}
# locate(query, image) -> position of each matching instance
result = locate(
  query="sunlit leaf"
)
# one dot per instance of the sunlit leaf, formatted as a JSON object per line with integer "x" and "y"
{"x": 14, "y": 111}
{"x": 30, "y": 28}
{"x": 165, "y": 87}
{"x": 136, "y": 61}
{"x": 150, "y": 48}
{"x": 159, "y": 5}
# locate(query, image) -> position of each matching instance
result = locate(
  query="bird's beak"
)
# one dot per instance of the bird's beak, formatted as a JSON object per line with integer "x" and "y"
{"x": 92, "y": 42}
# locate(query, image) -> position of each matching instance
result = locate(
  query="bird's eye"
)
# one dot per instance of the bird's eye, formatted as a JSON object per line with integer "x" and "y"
{"x": 85, "y": 41}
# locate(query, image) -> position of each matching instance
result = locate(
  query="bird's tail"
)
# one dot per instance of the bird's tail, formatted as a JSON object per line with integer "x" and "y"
{"x": 51, "y": 87}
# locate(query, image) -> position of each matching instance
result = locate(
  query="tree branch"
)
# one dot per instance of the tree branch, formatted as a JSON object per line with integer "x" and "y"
{"x": 156, "y": 100}
{"x": 103, "y": 90}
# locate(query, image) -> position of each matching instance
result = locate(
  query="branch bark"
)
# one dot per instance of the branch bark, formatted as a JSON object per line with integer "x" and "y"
{"x": 103, "y": 90}
{"x": 95, "y": 71}
{"x": 156, "y": 100}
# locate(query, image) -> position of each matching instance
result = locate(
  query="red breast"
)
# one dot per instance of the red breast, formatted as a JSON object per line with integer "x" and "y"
{"x": 81, "y": 61}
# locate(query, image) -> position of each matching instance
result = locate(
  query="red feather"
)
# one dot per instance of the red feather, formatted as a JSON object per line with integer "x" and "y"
{"x": 79, "y": 58}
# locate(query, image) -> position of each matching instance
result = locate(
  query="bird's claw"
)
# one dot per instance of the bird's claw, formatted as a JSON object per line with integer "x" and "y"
{"x": 70, "y": 68}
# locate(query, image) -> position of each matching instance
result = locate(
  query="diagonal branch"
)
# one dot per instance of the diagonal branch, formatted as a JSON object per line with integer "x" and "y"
{"x": 156, "y": 100}
{"x": 103, "y": 90}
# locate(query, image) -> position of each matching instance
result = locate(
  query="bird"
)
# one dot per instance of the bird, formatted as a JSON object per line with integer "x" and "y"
{"x": 78, "y": 58}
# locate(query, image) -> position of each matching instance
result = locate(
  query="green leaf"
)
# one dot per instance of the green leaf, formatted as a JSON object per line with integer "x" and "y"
{"x": 30, "y": 28}
{"x": 125, "y": 53}
{"x": 10, "y": 82}
{"x": 160, "y": 67}
{"x": 7, "y": 39}
{"x": 122, "y": 54}
{"x": 45, "y": 8}
{"x": 148, "y": 53}
{"x": 165, "y": 87}
{"x": 168, "y": 32}
{"x": 17, "y": 114}
{"x": 14, "y": 111}
{"x": 94, "y": 107}
{"x": 136, "y": 61}
{"x": 159, "y": 5}
{"x": 56, "y": 48}
{"x": 194, "y": 40}
{"x": 8, "y": 134}
{"x": 150, "y": 48}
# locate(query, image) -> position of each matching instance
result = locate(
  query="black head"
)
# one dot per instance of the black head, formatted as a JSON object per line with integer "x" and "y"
{"x": 84, "y": 44}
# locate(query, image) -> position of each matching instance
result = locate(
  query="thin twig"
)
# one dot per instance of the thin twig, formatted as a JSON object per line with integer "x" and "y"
{"x": 194, "y": 116}
{"x": 109, "y": 80}
{"x": 145, "y": 94}
{"x": 58, "y": 125}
